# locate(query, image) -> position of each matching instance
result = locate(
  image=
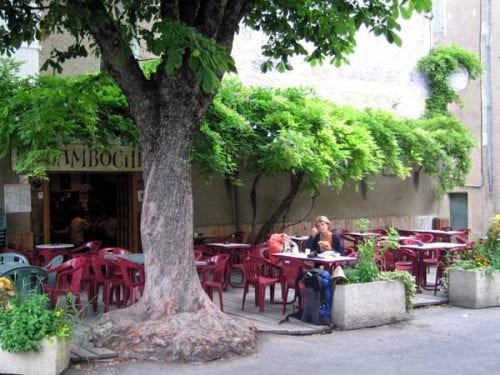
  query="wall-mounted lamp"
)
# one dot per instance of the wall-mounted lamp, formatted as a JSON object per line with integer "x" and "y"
{"x": 459, "y": 78}
{"x": 36, "y": 183}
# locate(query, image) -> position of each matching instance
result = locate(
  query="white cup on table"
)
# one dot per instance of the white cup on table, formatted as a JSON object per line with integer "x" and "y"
{"x": 307, "y": 251}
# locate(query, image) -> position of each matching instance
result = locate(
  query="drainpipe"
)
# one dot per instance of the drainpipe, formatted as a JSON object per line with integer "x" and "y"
{"x": 488, "y": 96}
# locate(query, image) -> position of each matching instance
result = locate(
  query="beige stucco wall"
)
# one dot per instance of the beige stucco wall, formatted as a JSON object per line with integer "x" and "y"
{"x": 379, "y": 75}
{"x": 72, "y": 66}
{"x": 466, "y": 25}
{"x": 405, "y": 204}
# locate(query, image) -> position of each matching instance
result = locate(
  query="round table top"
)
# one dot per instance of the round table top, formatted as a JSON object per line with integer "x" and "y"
{"x": 229, "y": 245}
{"x": 54, "y": 246}
{"x": 299, "y": 238}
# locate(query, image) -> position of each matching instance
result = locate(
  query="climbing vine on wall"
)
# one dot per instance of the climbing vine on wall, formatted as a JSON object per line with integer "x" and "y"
{"x": 438, "y": 65}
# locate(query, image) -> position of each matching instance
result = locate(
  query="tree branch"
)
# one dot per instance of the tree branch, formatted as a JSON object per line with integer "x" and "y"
{"x": 284, "y": 226}
{"x": 219, "y": 19}
{"x": 210, "y": 16}
{"x": 117, "y": 55}
{"x": 233, "y": 14}
{"x": 253, "y": 202}
{"x": 295, "y": 184}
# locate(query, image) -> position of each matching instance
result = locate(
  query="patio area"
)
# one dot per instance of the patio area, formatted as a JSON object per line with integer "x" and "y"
{"x": 267, "y": 322}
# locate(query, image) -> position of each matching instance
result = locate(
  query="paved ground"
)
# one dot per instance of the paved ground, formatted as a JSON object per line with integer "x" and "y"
{"x": 437, "y": 340}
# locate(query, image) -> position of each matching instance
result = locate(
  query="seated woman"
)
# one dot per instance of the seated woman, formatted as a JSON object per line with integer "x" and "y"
{"x": 322, "y": 239}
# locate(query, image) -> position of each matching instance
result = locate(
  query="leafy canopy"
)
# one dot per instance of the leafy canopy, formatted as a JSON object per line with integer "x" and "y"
{"x": 261, "y": 130}
{"x": 272, "y": 131}
{"x": 40, "y": 116}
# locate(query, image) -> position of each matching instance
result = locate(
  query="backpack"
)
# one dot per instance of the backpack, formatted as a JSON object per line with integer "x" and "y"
{"x": 280, "y": 243}
{"x": 317, "y": 297}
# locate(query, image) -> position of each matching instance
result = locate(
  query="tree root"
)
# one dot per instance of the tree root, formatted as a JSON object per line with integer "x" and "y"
{"x": 204, "y": 335}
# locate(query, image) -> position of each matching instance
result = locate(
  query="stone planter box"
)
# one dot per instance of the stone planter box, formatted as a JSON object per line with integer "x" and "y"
{"x": 53, "y": 358}
{"x": 474, "y": 289}
{"x": 368, "y": 304}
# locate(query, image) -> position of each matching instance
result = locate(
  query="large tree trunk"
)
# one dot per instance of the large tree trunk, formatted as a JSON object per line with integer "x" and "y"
{"x": 174, "y": 319}
{"x": 284, "y": 206}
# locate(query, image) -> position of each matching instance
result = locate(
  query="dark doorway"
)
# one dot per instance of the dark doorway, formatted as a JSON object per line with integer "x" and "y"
{"x": 459, "y": 214}
{"x": 102, "y": 197}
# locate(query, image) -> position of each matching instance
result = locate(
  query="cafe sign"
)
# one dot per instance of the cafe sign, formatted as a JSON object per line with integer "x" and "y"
{"x": 79, "y": 158}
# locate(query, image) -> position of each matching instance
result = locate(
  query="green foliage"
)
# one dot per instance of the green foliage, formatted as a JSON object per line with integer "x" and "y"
{"x": 442, "y": 145}
{"x": 272, "y": 131}
{"x": 392, "y": 241}
{"x": 409, "y": 284}
{"x": 486, "y": 253}
{"x": 362, "y": 224}
{"x": 39, "y": 116}
{"x": 365, "y": 270}
{"x": 175, "y": 41}
{"x": 438, "y": 66}
{"x": 330, "y": 26}
{"x": 29, "y": 321}
{"x": 9, "y": 81}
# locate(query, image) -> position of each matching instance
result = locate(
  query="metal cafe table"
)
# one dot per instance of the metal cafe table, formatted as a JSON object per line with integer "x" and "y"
{"x": 330, "y": 262}
{"x": 423, "y": 247}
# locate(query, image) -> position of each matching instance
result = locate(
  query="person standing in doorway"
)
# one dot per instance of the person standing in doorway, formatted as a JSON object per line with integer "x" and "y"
{"x": 77, "y": 228}
{"x": 109, "y": 226}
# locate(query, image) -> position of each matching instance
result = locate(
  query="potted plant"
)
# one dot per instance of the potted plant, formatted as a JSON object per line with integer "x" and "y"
{"x": 474, "y": 280}
{"x": 372, "y": 297}
{"x": 362, "y": 225}
{"x": 34, "y": 339}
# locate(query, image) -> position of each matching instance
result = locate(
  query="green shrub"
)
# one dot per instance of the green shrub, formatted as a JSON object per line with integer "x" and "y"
{"x": 29, "y": 320}
{"x": 365, "y": 270}
{"x": 486, "y": 254}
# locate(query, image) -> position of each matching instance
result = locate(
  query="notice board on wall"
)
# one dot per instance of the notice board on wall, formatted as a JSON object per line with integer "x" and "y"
{"x": 17, "y": 198}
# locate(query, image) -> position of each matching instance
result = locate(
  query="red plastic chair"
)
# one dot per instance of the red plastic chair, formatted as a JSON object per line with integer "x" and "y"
{"x": 206, "y": 250}
{"x": 112, "y": 251}
{"x": 463, "y": 238}
{"x": 91, "y": 247}
{"x": 406, "y": 259}
{"x": 237, "y": 264}
{"x": 428, "y": 259}
{"x": 424, "y": 237}
{"x": 264, "y": 252}
{"x": 69, "y": 279}
{"x": 213, "y": 277}
{"x": 104, "y": 273}
{"x": 385, "y": 257}
{"x": 45, "y": 256}
{"x": 198, "y": 254}
{"x": 260, "y": 273}
{"x": 290, "y": 270}
{"x": 133, "y": 280}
